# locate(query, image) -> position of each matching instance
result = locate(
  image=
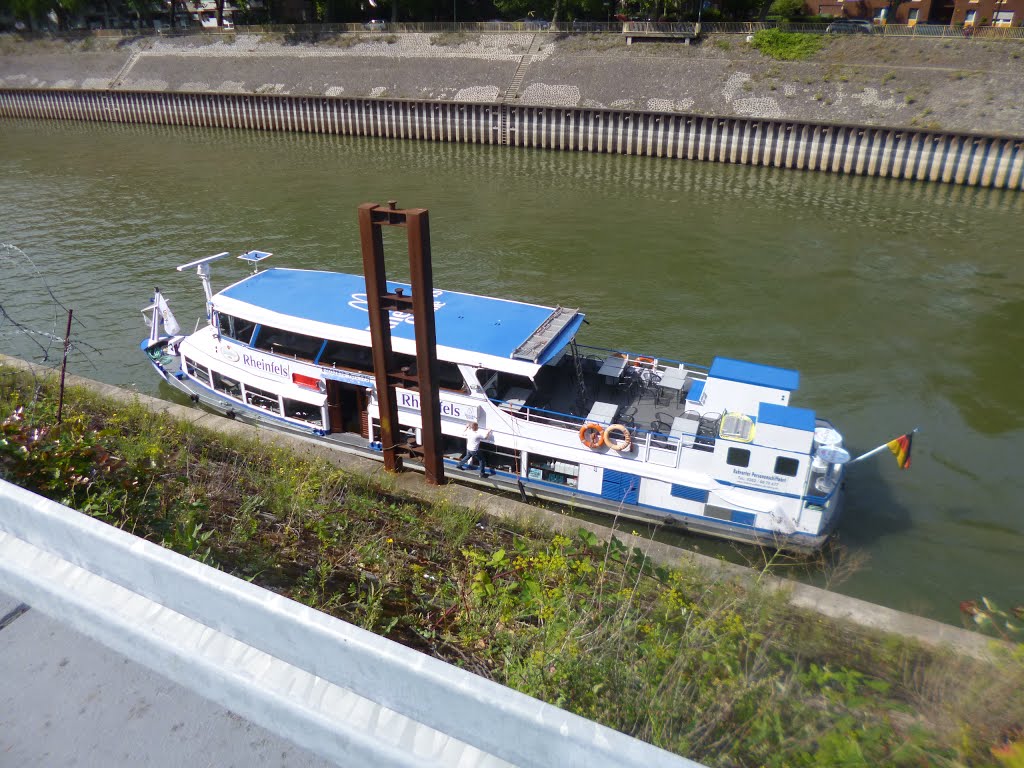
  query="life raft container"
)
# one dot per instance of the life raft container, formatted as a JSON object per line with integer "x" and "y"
{"x": 617, "y": 437}
{"x": 592, "y": 436}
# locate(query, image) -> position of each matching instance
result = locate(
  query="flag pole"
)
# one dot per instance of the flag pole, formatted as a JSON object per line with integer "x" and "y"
{"x": 879, "y": 449}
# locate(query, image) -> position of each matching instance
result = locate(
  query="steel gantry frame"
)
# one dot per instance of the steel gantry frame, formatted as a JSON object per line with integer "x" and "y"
{"x": 380, "y": 303}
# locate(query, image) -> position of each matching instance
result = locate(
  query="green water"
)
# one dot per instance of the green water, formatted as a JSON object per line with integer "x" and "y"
{"x": 900, "y": 303}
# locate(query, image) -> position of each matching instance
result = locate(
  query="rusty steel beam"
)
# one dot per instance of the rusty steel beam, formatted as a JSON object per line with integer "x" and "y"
{"x": 420, "y": 305}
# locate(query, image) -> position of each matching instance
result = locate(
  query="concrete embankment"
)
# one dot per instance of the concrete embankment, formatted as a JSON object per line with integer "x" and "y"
{"x": 834, "y": 606}
{"x": 941, "y": 110}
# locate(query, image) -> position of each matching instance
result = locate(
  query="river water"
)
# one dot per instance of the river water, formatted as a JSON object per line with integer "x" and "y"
{"x": 902, "y": 304}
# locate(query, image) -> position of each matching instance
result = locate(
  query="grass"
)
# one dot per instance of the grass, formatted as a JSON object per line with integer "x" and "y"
{"x": 787, "y": 46}
{"x": 724, "y": 673}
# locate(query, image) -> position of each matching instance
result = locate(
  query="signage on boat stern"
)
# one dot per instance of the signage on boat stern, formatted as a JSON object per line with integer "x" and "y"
{"x": 757, "y": 479}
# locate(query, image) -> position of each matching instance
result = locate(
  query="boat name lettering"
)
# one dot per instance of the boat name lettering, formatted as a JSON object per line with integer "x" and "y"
{"x": 412, "y": 400}
{"x": 396, "y": 318}
{"x": 267, "y": 366}
{"x": 756, "y": 479}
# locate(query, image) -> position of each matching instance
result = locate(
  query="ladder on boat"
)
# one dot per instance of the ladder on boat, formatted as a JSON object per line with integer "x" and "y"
{"x": 538, "y": 341}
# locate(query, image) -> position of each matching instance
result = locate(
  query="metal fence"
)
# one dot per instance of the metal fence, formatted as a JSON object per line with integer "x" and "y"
{"x": 313, "y": 31}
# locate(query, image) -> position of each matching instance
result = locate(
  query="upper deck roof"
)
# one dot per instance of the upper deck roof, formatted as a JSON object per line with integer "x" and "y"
{"x": 489, "y": 326}
{"x": 754, "y": 374}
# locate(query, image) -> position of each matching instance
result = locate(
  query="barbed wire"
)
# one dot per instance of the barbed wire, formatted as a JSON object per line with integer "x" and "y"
{"x": 19, "y": 270}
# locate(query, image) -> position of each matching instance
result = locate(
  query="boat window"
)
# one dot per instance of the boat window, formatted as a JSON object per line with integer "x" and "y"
{"x": 738, "y": 457}
{"x": 448, "y": 374}
{"x": 228, "y": 386}
{"x": 552, "y": 470}
{"x": 498, "y": 383}
{"x": 198, "y": 372}
{"x": 296, "y": 409}
{"x": 235, "y": 327}
{"x": 347, "y": 356}
{"x": 784, "y": 465}
{"x": 260, "y": 398}
{"x": 288, "y": 343}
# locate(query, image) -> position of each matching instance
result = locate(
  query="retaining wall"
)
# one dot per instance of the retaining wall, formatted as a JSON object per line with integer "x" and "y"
{"x": 958, "y": 158}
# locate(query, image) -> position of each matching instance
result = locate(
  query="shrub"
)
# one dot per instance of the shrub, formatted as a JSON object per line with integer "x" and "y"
{"x": 787, "y": 46}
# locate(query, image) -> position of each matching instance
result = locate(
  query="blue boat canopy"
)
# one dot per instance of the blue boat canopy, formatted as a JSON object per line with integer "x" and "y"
{"x": 755, "y": 374}
{"x": 786, "y": 416}
{"x": 497, "y": 327}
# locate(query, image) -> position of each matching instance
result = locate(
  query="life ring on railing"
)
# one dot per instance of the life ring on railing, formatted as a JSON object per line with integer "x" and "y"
{"x": 621, "y": 443}
{"x": 643, "y": 362}
{"x": 592, "y": 436}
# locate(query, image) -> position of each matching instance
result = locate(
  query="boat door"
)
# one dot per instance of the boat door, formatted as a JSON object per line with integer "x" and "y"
{"x": 346, "y": 407}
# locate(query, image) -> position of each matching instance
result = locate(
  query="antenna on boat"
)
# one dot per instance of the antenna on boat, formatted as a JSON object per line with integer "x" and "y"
{"x": 203, "y": 270}
{"x": 254, "y": 258}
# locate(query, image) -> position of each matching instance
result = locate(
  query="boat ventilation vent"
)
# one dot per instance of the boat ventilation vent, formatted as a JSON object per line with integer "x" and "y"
{"x": 538, "y": 341}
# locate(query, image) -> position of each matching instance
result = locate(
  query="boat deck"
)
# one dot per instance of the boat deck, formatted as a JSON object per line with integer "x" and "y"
{"x": 641, "y": 394}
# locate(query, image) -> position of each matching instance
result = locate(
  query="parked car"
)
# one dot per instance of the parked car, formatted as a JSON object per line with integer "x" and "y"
{"x": 375, "y": 25}
{"x": 531, "y": 23}
{"x": 850, "y": 27}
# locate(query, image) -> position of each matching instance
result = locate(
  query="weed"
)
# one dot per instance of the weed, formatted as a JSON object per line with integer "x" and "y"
{"x": 888, "y": 76}
{"x": 786, "y": 46}
{"x": 723, "y": 672}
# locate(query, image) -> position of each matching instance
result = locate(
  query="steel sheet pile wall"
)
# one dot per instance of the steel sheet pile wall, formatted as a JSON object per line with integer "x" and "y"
{"x": 977, "y": 160}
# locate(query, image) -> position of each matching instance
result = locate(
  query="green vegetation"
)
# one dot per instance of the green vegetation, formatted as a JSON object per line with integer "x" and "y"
{"x": 787, "y": 9}
{"x": 787, "y": 46}
{"x": 723, "y": 672}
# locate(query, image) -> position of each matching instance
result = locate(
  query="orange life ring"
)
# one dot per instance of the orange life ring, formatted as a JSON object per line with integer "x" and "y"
{"x": 591, "y": 435}
{"x": 644, "y": 362}
{"x": 622, "y": 443}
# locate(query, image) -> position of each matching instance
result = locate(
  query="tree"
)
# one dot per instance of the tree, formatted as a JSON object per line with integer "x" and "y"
{"x": 787, "y": 9}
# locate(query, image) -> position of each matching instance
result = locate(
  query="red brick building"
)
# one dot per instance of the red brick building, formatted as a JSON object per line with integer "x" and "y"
{"x": 1002, "y": 13}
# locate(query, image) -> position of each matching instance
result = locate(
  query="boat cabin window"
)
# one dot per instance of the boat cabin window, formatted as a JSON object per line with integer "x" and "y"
{"x": 339, "y": 353}
{"x": 228, "y": 386}
{"x": 784, "y": 465}
{"x": 498, "y": 383}
{"x": 552, "y": 470}
{"x": 235, "y": 328}
{"x": 346, "y": 355}
{"x": 198, "y": 372}
{"x": 287, "y": 343}
{"x": 296, "y": 409}
{"x": 738, "y": 457}
{"x": 448, "y": 374}
{"x": 260, "y": 398}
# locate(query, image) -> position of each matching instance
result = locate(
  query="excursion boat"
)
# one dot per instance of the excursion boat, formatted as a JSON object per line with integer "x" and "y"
{"x": 716, "y": 450}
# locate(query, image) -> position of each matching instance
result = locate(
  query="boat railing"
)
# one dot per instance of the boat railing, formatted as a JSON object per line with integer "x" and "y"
{"x": 643, "y": 439}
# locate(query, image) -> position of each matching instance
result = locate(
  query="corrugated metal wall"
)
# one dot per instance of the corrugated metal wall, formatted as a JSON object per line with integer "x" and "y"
{"x": 976, "y": 160}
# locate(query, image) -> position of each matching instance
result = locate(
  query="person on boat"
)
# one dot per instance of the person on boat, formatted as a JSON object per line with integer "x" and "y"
{"x": 474, "y": 437}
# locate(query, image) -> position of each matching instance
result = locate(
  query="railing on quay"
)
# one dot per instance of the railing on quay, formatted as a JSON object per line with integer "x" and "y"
{"x": 313, "y": 31}
{"x": 338, "y": 690}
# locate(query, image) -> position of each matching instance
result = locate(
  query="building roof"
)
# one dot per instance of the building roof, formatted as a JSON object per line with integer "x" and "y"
{"x": 489, "y": 326}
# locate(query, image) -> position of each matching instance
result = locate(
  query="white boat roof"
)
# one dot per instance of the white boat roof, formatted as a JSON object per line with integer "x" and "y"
{"x": 496, "y": 328}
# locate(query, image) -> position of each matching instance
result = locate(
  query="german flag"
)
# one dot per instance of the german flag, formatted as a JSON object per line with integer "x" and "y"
{"x": 900, "y": 448}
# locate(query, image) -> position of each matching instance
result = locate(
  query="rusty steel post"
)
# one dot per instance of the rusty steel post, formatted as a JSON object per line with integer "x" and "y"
{"x": 421, "y": 274}
{"x": 420, "y": 305}
{"x": 380, "y": 333}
